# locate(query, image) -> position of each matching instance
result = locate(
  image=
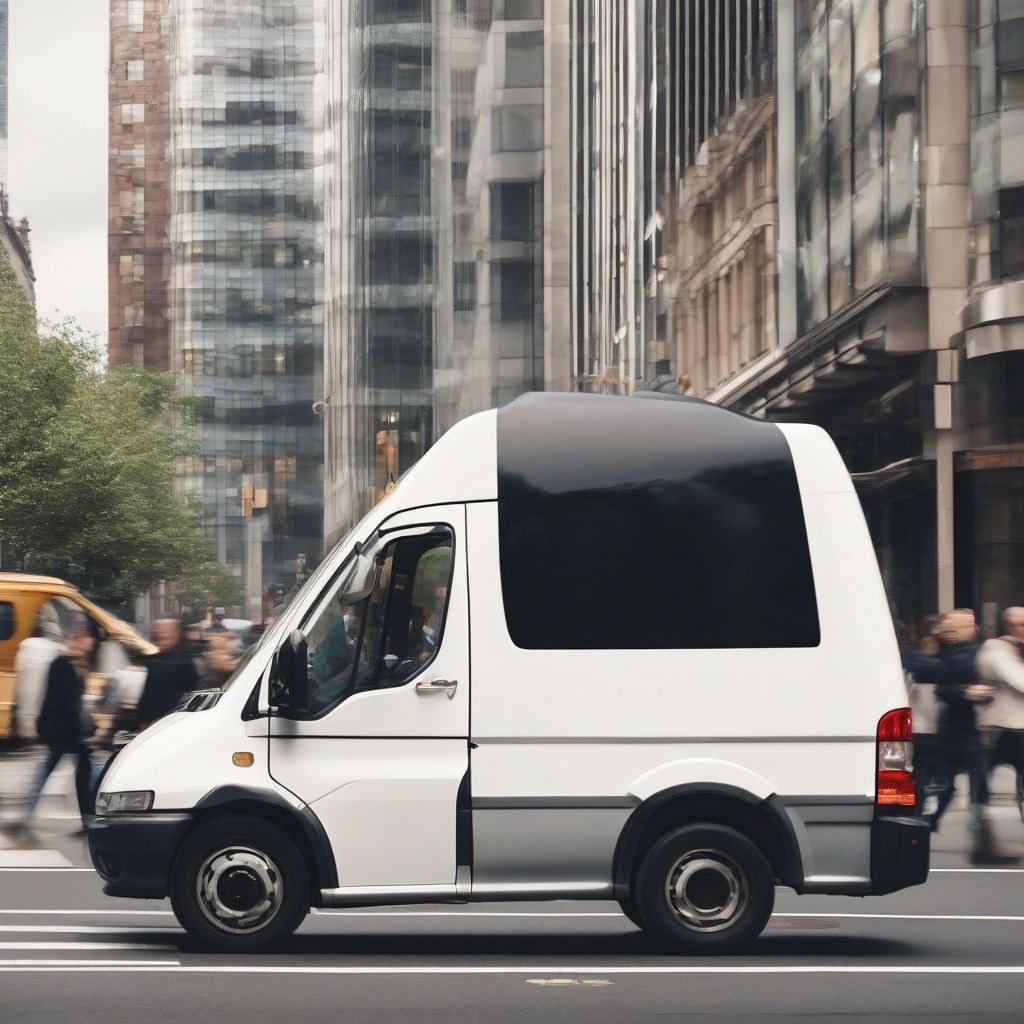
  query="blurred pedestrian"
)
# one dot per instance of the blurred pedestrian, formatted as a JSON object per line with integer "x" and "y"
{"x": 924, "y": 670}
{"x": 221, "y": 656}
{"x": 1001, "y": 664}
{"x": 962, "y": 694}
{"x": 170, "y": 674}
{"x": 31, "y": 667}
{"x": 64, "y": 724}
{"x": 217, "y": 625}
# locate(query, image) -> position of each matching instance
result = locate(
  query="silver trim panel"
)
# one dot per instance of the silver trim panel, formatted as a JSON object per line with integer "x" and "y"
{"x": 604, "y": 740}
{"x": 507, "y": 803}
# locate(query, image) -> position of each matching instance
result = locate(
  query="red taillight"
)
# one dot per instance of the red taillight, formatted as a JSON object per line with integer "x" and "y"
{"x": 895, "y": 725}
{"x": 894, "y": 784}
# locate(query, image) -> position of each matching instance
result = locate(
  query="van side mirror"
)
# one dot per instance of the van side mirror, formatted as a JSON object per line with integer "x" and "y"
{"x": 359, "y": 581}
{"x": 290, "y": 687}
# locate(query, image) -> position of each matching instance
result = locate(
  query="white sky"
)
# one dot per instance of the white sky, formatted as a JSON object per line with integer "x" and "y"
{"x": 58, "y": 151}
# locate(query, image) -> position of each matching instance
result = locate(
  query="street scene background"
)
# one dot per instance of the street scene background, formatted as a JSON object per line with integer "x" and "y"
{"x": 333, "y": 230}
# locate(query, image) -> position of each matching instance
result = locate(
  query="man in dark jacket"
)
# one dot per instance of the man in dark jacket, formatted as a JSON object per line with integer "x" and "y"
{"x": 63, "y": 723}
{"x": 958, "y": 688}
{"x": 169, "y": 675}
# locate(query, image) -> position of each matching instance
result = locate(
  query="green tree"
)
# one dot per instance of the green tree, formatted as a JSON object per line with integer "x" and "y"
{"x": 87, "y": 459}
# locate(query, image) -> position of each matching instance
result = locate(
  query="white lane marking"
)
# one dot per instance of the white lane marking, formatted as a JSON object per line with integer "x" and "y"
{"x": 448, "y": 913}
{"x": 76, "y": 945}
{"x": 465, "y": 913}
{"x": 976, "y": 871}
{"x": 137, "y": 967}
{"x": 89, "y": 913}
{"x": 7, "y": 964}
{"x": 33, "y": 859}
{"x": 915, "y": 917}
{"x": 87, "y": 929}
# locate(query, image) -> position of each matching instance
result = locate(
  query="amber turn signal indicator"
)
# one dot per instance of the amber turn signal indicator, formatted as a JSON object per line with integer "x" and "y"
{"x": 242, "y": 759}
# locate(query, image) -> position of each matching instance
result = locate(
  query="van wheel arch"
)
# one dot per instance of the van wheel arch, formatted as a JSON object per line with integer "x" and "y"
{"x": 303, "y": 827}
{"x": 763, "y": 821}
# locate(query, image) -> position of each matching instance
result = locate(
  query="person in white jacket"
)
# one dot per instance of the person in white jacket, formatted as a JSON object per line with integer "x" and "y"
{"x": 1001, "y": 663}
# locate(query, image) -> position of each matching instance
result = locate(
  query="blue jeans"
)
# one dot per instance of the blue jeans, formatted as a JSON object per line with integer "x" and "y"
{"x": 83, "y": 775}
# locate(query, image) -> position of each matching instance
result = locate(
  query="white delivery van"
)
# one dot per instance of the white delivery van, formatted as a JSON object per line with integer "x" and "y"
{"x": 590, "y": 647}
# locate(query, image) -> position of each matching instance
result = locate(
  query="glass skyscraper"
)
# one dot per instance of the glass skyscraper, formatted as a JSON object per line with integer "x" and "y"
{"x": 447, "y": 226}
{"x": 245, "y": 289}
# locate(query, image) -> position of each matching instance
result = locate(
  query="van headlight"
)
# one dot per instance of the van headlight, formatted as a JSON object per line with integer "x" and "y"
{"x": 128, "y": 802}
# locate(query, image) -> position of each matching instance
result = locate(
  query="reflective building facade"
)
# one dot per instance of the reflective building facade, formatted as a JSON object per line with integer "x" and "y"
{"x": 245, "y": 288}
{"x": 841, "y": 245}
{"x": 447, "y": 215}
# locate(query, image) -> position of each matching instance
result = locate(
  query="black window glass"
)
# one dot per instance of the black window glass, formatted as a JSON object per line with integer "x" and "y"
{"x": 1011, "y": 230}
{"x": 6, "y": 620}
{"x": 633, "y": 524}
{"x": 391, "y": 636}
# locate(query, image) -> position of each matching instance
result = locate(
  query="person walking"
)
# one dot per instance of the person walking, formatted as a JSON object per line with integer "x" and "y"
{"x": 962, "y": 694}
{"x": 1001, "y": 665}
{"x": 64, "y": 725}
{"x": 923, "y": 670}
{"x": 170, "y": 674}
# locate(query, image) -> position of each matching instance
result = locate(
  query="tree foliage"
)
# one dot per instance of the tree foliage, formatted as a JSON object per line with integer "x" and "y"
{"x": 87, "y": 459}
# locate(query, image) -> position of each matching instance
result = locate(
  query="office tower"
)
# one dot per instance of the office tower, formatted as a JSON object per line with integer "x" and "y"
{"x": 448, "y": 226}
{"x": 245, "y": 284}
{"x": 138, "y": 251}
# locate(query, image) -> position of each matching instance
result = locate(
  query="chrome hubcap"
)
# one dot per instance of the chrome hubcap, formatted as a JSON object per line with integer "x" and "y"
{"x": 707, "y": 890}
{"x": 239, "y": 889}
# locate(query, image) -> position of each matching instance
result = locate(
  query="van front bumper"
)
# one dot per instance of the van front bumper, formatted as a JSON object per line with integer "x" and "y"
{"x": 133, "y": 853}
{"x": 900, "y": 850}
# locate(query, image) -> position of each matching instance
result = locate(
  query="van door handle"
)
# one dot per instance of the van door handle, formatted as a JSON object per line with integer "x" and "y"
{"x": 448, "y": 686}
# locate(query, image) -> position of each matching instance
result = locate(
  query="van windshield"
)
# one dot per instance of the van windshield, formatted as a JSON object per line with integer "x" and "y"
{"x": 274, "y": 634}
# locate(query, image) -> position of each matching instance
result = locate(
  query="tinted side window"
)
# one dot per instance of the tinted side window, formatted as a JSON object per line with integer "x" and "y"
{"x": 6, "y": 620}
{"x": 634, "y": 545}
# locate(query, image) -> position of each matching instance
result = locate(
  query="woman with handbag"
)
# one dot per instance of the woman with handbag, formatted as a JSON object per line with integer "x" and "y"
{"x": 64, "y": 724}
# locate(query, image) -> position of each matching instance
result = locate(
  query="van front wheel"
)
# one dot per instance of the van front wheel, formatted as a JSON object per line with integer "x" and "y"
{"x": 705, "y": 889}
{"x": 239, "y": 885}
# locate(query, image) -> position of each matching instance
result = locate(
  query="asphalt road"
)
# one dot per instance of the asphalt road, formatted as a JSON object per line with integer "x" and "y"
{"x": 950, "y": 950}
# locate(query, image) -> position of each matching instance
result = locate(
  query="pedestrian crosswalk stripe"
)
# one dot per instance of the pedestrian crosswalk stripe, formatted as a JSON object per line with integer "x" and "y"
{"x": 77, "y": 945}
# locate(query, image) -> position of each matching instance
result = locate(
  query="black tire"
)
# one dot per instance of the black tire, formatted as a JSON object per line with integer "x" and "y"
{"x": 705, "y": 889}
{"x": 629, "y": 908}
{"x": 224, "y": 866}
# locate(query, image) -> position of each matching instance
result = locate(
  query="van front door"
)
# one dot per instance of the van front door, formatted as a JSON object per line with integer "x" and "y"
{"x": 382, "y": 750}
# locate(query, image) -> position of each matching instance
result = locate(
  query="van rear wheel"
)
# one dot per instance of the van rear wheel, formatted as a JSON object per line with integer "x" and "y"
{"x": 705, "y": 889}
{"x": 239, "y": 885}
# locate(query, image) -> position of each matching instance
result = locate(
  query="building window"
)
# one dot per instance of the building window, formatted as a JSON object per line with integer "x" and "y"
{"x": 133, "y": 113}
{"x": 136, "y": 14}
{"x": 512, "y": 290}
{"x": 518, "y": 10}
{"x": 524, "y": 59}
{"x": 133, "y": 314}
{"x": 1011, "y": 230}
{"x": 512, "y": 211}
{"x": 464, "y": 275}
{"x": 134, "y": 70}
{"x": 131, "y": 266}
{"x": 518, "y": 129}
